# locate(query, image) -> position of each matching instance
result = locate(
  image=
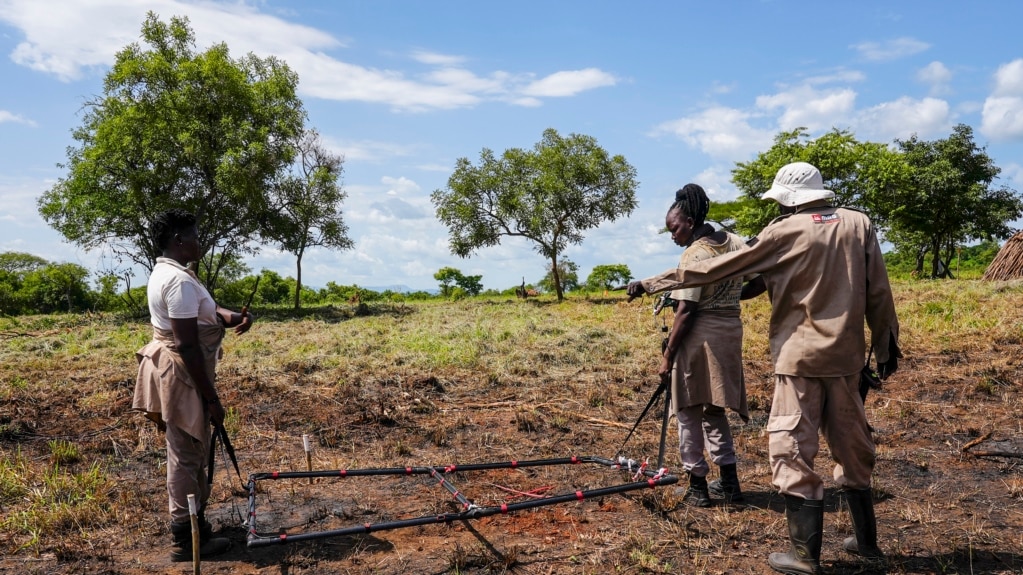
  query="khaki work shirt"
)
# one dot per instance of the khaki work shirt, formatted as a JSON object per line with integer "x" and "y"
{"x": 824, "y": 274}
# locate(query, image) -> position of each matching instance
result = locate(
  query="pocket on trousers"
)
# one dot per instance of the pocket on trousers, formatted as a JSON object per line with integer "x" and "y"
{"x": 783, "y": 422}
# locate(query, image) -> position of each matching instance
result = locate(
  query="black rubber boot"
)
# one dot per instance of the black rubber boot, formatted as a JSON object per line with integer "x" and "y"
{"x": 806, "y": 533}
{"x": 861, "y": 510}
{"x": 727, "y": 487}
{"x": 696, "y": 494}
{"x": 209, "y": 546}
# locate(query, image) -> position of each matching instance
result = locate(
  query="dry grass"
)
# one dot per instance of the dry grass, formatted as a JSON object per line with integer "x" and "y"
{"x": 81, "y": 487}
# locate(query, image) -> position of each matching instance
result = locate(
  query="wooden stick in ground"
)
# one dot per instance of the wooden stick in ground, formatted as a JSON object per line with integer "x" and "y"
{"x": 195, "y": 533}
{"x": 308, "y": 455}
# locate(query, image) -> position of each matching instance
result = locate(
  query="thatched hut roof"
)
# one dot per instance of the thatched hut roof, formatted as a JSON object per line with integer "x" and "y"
{"x": 1008, "y": 263}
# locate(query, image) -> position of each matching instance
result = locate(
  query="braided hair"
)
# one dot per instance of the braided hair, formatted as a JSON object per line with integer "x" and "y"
{"x": 692, "y": 201}
{"x": 168, "y": 223}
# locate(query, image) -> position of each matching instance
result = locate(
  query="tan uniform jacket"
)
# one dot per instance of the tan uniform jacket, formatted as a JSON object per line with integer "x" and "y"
{"x": 163, "y": 388}
{"x": 708, "y": 363}
{"x": 824, "y": 274}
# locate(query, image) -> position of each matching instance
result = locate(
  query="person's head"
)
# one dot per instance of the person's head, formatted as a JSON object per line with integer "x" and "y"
{"x": 175, "y": 235}
{"x": 688, "y": 212}
{"x": 797, "y": 184}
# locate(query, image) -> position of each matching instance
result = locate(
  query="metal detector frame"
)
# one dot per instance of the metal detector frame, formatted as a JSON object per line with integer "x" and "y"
{"x": 653, "y": 478}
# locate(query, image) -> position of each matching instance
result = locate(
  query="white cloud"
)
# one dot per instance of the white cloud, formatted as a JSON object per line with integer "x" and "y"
{"x": 1009, "y": 79}
{"x": 808, "y": 107}
{"x": 6, "y": 116}
{"x": 569, "y": 83}
{"x": 366, "y": 150}
{"x": 1013, "y": 172}
{"x": 717, "y": 182}
{"x": 65, "y": 38}
{"x": 936, "y": 75}
{"x": 1002, "y": 116}
{"x": 720, "y": 132}
{"x": 436, "y": 59}
{"x": 843, "y": 76}
{"x": 890, "y": 49}
{"x": 904, "y": 117}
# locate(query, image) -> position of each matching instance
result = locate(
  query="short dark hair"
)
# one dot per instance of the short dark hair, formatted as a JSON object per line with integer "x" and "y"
{"x": 692, "y": 201}
{"x": 168, "y": 223}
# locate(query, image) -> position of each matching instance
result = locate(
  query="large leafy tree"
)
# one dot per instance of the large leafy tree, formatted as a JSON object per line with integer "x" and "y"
{"x": 307, "y": 205}
{"x": 858, "y": 172}
{"x": 447, "y": 276}
{"x": 549, "y": 195}
{"x": 607, "y": 276}
{"x": 177, "y": 128}
{"x": 948, "y": 198}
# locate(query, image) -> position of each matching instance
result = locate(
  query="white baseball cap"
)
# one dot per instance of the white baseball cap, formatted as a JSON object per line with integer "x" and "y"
{"x": 796, "y": 184}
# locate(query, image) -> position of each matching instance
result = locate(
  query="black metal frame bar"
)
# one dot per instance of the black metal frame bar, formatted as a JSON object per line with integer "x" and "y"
{"x": 653, "y": 478}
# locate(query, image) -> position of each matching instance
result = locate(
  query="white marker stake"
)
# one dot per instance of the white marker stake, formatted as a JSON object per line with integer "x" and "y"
{"x": 195, "y": 533}
{"x": 308, "y": 454}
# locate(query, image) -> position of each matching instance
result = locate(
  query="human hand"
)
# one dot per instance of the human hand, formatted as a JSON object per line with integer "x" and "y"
{"x": 665, "y": 368}
{"x": 635, "y": 289}
{"x": 887, "y": 368}
{"x": 216, "y": 411}
{"x": 245, "y": 324}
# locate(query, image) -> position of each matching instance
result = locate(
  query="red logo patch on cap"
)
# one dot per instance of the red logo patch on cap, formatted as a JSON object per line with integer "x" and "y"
{"x": 825, "y": 218}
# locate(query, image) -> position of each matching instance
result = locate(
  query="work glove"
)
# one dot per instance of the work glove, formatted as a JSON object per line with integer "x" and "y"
{"x": 885, "y": 369}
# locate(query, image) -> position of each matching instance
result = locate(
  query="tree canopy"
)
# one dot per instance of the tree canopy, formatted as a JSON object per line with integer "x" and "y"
{"x": 607, "y": 276}
{"x": 306, "y": 204}
{"x": 927, "y": 197}
{"x": 549, "y": 195}
{"x": 177, "y": 128}
{"x": 450, "y": 277}
{"x": 947, "y": 199}
{"x": 856, "y": 171}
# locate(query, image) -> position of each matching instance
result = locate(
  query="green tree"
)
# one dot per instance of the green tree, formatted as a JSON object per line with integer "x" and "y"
{"x": 177, "y": 128}
{"x": 14, "y": 268}
{"x": 57, "y": 287}
{"x": 567, "y": 274}
{"x": 472, "y": 285}
{"x": 307, "y": 205}
{"x": 448, "y": 277}
{"x": 607, "y": 276}
{"x": 858, "y": 172}
{"x": 948, "y": 199}
{"x": 20, "y": 262}
{"x": 549, "y": 195}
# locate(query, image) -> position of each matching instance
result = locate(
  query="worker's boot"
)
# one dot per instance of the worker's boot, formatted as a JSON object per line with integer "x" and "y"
{"x": 861, "y": 510}
{"x": 696, "y": 494}
{"x": 727, "y": 487}
{"x": 209, "y": 546}
{"x": 806, "y": 533}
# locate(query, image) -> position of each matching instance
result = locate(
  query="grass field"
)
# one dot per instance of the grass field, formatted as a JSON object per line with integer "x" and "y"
{"x": 482, "y": 380}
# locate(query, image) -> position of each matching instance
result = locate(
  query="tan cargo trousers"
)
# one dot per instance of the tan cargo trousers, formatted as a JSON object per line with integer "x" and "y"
{"x": 186, "y": 471}
{"x": 804, "y": 405}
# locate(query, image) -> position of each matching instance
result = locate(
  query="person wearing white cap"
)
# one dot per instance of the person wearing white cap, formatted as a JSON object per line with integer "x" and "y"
{"x": 825, "y": 274}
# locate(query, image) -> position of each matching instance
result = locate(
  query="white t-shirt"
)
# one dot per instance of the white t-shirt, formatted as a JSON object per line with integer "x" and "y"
{"x": 173, "y": 292}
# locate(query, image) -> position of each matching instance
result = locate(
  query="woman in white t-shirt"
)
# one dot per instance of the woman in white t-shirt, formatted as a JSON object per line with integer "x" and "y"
{"x": 177, "y": 372}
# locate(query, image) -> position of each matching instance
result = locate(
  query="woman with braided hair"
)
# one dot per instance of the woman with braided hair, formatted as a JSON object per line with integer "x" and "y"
{"x": 704, "y": 353}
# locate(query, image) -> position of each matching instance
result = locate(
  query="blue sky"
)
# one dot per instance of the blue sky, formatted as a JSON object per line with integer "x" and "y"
{"x": 402, "y": 89}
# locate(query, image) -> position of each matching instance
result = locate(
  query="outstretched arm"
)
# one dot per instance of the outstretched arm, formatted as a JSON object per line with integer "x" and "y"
{"x": 240, "y": 321}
